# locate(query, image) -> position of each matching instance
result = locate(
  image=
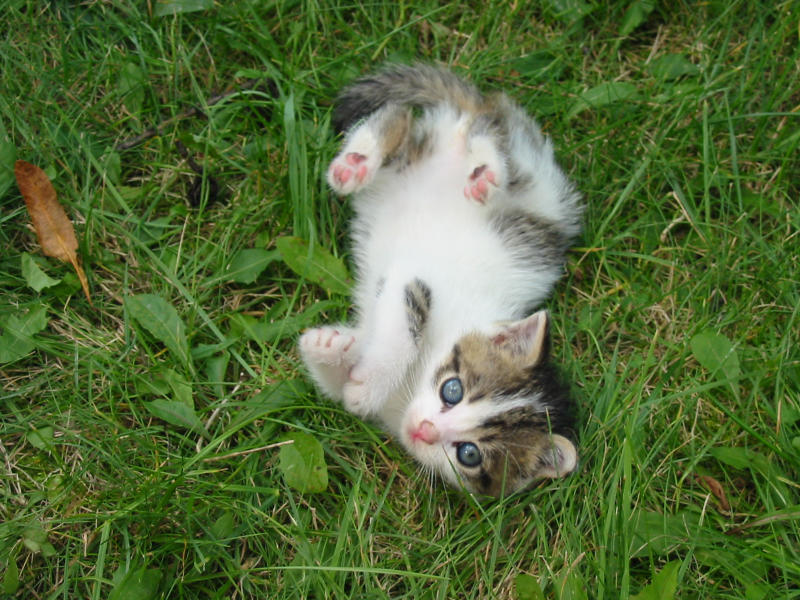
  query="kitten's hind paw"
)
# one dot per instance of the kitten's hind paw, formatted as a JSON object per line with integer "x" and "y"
{"x": 480, "y": 184}
{"x": 350, "y": 171}
{"x": 363, "y": 393}
{"x": 357, "y": 398}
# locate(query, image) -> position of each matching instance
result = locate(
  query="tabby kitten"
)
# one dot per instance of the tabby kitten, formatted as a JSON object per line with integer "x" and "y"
{"x": 462, "y": 219}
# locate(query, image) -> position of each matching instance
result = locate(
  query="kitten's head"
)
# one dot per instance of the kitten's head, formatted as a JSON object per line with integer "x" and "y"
{"x": 490, "y": 416}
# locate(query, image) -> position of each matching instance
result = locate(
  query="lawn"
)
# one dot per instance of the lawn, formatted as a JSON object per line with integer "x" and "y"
{"x": 144, "y": 435}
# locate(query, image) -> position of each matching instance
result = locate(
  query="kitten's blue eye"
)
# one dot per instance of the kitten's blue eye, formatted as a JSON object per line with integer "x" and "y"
{"x": 468, "y": 454}
{"x": 451, "y": 391}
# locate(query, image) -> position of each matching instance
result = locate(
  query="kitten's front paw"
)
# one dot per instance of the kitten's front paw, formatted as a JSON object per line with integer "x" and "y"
{"x": 329, "y": 354}
{"x": 328, "y": 346}
{"x": 480, "y": 184}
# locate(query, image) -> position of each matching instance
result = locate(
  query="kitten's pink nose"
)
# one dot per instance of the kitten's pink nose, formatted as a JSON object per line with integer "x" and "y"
{"x": 426, "y": 432}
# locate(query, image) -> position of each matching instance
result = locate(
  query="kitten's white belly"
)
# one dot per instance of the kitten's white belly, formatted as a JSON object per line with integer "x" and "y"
{"x": 419, "y": 225}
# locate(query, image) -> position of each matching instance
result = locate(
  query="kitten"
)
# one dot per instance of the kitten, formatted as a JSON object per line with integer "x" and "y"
{"x": 462, "y": 220}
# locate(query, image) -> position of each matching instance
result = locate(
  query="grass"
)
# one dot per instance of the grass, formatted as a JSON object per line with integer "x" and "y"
{"x": 677, "y": 320}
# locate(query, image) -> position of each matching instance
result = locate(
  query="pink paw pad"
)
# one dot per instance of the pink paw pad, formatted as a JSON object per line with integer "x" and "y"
{"x": 355, "y": 167}
{"x": 479, "y": 180}
{"x": 335, "y": 336}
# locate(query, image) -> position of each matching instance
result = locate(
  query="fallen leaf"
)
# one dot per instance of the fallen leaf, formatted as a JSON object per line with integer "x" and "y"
{"x": 53, "y": 227}
{"x": 715, "y": 487}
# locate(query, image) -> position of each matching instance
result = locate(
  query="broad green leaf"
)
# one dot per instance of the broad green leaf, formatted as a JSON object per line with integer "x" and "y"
{"x": 67, "y": 287}
{"x": 570, "y": 11}
{"x": 131, "y": 87}
{"x": 33, "y": 274}
{"x": 747, "y": 567}
{"x": 173, "y": 7}
{"x": 11, "y": 575}
{"x": 636, "y": 15}
{"x": 248, "y": 264}
{"x": 738, "y": 458}
{"x": 789, "y": 416}
{"x": 610, "y": 92}
{"x": 664, "y": 584}
{"x": 204, "y": 351}
{"x": 672, "y": 66}
{"x": 742, "y": 458}
{"x": 539, "y": 63}
{"x": 756, "y": 591}
{"x": 112, "y": 165}
{"x": 216, "y": 366}
{"x": 527, "y": 587}
{"x": 136, "y": 584}
{"x": 55, "y": 488}
{"x": 148, "y": 384}
{"x": 176, "y": 413}
{"x": 657, "y": 533}
{"x": 315, "y": 264}
{"x": 716, "y": 353}
{"x": 17, "y": 331}
{"x": 264, "y": 331}
{"x": 41, "y": 438}
{"x": 272, "y": 399}
{"x": 181, "y": 389}
{"x": 8, "y": 154}
{"x": 161, "y": 319}
{"x": 303, "y": 464}
{"x": 222, "y": 528}
{"x": 570, "y": 586}
{"x": 34, "y": 538}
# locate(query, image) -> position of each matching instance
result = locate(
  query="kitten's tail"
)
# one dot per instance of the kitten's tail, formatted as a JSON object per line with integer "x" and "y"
{"x": 416, "y": 85}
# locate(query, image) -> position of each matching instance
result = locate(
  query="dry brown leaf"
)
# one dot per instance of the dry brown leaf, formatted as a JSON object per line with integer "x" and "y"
{"x": 715, "y": 487}
{"x": 53, "y": 227}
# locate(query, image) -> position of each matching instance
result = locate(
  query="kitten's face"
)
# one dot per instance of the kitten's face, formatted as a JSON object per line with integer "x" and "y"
{"x": 485, "y": 417}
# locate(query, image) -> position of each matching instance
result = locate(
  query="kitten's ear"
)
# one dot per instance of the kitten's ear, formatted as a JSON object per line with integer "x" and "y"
{"x": 560, "y": 459}
{"x": 527, "y": 338}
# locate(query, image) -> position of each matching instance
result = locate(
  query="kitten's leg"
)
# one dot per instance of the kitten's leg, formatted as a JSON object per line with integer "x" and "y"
{"x": 367, "y": 146}
{"x": 329, "y": 353}
{"x": 485, "y": 161}
{"x": 392, "y": 348}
